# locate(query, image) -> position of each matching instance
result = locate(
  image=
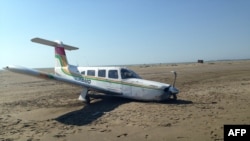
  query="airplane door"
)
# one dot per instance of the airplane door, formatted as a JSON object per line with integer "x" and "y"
{"x": 114, "y": 84}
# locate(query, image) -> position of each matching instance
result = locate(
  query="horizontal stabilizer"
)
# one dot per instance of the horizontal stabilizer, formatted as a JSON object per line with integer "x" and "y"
{"x": 53, "y": 43}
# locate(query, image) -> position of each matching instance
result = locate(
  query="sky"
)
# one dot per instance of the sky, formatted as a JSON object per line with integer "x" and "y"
{"x": 120, "y": 32}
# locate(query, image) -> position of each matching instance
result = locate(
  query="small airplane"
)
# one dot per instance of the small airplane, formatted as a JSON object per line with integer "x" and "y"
{"x": 114, "y": 81}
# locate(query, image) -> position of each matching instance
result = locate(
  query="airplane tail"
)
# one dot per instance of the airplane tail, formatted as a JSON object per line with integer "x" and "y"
{"x": 60, "y": 55}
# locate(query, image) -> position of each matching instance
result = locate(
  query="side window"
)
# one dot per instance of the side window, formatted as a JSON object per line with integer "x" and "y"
{"x": 91, "y": 72}
{"x": 113, "y": 74}
{"x": 126, "y": 74}
{"x": 83, "y": 72}
{"x": 101, "y": 73}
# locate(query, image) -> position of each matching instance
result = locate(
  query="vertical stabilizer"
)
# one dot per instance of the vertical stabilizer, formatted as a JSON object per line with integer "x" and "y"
{"x": 60, "y": 55}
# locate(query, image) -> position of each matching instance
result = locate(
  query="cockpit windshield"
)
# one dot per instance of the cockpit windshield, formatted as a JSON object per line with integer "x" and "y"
{"x": 125, "y": 74}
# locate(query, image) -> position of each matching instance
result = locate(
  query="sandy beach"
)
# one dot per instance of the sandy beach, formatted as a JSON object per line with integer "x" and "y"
{"x": 211, "y": 95}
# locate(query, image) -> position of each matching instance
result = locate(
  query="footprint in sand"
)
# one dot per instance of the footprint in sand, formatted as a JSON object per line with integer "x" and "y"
{"x": 125, "y": 134}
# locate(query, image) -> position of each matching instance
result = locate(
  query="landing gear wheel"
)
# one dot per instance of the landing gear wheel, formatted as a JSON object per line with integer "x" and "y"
{"x": 84, "y": 97}
{"x": 174, "y": 97}
{"x": 87, "y": 100}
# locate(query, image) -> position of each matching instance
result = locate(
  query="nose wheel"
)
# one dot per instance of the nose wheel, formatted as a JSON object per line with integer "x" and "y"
{"x": 173, "y": 91}
{"x": 174, "y": 97}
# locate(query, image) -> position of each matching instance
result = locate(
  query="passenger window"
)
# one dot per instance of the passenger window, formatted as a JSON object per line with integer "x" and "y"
{"x": 113, "y": 74}
{"x": 83, "y": 72}
{"x": 91, "y": 72}
{"x": 101, "y": 73}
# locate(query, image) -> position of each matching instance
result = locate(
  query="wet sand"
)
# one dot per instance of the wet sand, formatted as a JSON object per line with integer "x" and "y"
{"x": 211, "y": 95}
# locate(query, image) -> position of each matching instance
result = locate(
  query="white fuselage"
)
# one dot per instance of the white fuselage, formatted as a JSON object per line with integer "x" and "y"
{"x": 118, "y": 81}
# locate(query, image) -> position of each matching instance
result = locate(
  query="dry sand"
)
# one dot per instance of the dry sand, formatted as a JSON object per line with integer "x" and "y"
{"x": 212, "y": 94}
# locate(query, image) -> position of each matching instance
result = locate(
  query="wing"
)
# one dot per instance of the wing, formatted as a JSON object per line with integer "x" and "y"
{"x": 44, "y": 75}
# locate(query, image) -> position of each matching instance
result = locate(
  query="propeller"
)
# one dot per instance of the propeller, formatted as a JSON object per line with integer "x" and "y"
{"x": 175, "y": 75}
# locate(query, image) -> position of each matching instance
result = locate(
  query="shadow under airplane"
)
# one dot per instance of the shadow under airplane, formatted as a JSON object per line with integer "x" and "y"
{"x": 99, "y": 107}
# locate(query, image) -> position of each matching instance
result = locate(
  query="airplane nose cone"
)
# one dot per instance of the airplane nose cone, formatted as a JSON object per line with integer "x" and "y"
{"x": 173, "y": 90}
